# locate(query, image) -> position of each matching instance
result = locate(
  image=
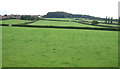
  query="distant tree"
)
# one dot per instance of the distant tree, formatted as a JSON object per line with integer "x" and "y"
{"x": 58, "y": 15}
{"x": 94, "y": 22}
{"x": 106, "y": 20}
{"x": 111, "y": 20}
{"x": 5, "y": 15}
{"x": 29, "y": 17}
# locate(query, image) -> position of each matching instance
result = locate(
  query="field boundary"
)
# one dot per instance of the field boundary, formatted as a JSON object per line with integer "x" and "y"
{"x": 60, "y": 68}
{"x": 61, "y": 27}
{"x": 98, "y": 25}
{"x": 83, "y": 22}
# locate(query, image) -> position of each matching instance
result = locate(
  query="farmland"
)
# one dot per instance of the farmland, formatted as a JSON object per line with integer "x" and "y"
{"x": 47, "y": 47}
{"x": 70, "y": 22}
{"x": 14, "y": 21}
{"x": 60, "y": 23}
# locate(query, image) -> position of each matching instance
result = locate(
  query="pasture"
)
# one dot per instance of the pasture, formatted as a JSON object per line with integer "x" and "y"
{"x": 37, "y": 47}
{"x": 47, "y": 47}
{"x": 70, "y": 23}
{"x": 14, "y": 21}
{"x": 61, "y": 23}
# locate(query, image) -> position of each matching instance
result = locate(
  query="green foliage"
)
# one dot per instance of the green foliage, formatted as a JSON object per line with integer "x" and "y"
{"x": 58, "y": 15}
{"x": 29, "y": 17}
{"x": 94, "y": 22}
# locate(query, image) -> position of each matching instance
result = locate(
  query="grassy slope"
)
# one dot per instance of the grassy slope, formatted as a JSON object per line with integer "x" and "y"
{"x": 60, "y": 23}
{"x": 35, "y": 47}
{"x": 14, "y": 21}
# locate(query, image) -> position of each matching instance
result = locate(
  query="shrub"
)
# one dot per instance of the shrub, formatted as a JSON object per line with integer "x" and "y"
{"x": 94, "y": 22}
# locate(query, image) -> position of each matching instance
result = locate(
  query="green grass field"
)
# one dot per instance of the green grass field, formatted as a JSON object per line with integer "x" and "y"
{"x": 37, "y": 47}
{"x": 59, "y": 18}
{"x": 60, "y": 23}
{"x": 73, "y": 19}
{"x": 109, "y": 25}
{"x": 14, "y": 21}
{"x": 54, "y": 23}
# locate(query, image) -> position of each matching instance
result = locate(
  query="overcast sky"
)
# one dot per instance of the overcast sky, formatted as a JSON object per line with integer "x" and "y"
{"x": 99, "y": 8}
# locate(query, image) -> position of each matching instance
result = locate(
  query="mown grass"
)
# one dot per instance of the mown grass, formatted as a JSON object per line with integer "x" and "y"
{"x": 37, "y": 47}
{"x": 14, "y": 21}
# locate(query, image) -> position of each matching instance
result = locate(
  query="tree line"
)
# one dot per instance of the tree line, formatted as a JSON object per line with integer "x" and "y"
{"x": 109, "y": 20}
{"x": 69, "y": 15}
{"x": 29, "y": 17}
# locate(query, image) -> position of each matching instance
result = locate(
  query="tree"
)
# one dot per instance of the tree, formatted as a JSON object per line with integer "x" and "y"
{"x": 106, "y": 20}
{"x": 5, "y": 15}
{"x": 111, "y": 19}
{"x": 94, "y": 22}
{"x": 58, "y": 15}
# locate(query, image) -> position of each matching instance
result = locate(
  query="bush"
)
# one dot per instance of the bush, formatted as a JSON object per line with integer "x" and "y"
{"x": 94, "y": 22}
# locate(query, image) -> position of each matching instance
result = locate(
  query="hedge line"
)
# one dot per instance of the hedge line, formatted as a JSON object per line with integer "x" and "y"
{"x": 82, "y": 22}
{"x": 98, "y": 25}
{"x": 67, "y": 27}
{"x": 60, "y": 67}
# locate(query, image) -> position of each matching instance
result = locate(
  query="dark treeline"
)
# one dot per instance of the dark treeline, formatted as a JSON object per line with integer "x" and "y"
{"x": 29, "y": 17}
{"x": 7, "y": 18}
{"x": 69, "y": 15}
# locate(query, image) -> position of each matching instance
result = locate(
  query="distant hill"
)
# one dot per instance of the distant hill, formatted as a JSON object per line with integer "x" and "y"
{"x": 69, "y": 15}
